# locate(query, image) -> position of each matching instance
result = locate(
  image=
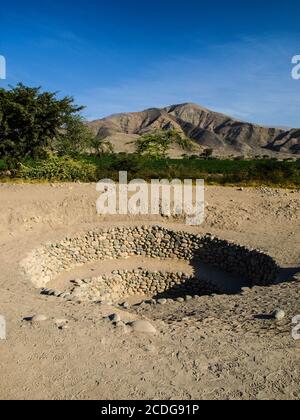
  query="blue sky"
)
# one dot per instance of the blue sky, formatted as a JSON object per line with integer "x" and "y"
{"x": 128, "y": 55}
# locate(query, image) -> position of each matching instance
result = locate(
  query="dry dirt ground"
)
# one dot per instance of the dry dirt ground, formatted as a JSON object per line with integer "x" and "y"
{"x": 209, "y": 348}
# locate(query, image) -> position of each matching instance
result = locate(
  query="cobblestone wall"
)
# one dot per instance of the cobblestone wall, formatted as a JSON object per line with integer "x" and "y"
{"x": 44, "y": 264}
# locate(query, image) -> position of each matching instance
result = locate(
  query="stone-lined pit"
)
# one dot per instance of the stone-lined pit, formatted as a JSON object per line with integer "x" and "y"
{"x": 122, "y": 285}
{"x": 45, "y": 264}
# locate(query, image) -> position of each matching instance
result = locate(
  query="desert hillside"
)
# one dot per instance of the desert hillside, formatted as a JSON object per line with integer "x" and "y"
{"x": 208, "y": 129}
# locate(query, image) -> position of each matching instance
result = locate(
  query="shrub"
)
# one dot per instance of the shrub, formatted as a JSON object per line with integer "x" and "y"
{"x": 58, "y": 169}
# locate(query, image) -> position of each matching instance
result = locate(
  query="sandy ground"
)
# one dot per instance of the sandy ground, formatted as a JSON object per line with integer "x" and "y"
{"x": 208, "y": 348}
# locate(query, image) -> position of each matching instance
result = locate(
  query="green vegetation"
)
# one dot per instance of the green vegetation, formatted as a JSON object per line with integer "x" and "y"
{"x": 75, "y": 139}
{"x": 33, "y": 122}
{"x": 45, "y": 138}
{"x": 156, "y": 145}
{"x": 57, "y": 169}
{"x": 221, "y": 172}
{"x": 101, "y": 147}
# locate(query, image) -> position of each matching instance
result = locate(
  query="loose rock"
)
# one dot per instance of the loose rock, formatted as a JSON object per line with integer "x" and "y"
{"x": 162, "y": 301}
{"x": 143, "y": 327}
{"x": 278, "y": 314}
{"x": 37, "y": 318}
{"x": 115, "y": 318}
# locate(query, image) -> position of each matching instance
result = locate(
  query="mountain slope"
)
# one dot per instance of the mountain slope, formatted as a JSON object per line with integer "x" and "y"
{"x": 208, "y": 129}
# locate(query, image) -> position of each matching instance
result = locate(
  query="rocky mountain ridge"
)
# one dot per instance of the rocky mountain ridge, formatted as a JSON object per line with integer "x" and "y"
{"x": 208, "y": 129}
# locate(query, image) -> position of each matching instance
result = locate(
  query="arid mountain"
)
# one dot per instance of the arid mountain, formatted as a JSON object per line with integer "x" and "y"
{"x": 208, "y": 129}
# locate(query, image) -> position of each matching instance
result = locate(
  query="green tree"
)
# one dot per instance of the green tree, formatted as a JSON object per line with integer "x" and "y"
{"x": 75, "y": 139}
{"x": 102, "y": 146}
{"x": 32, "y": 122}
{"x": 156, "y": 145}
{"x": 207, "y": 154}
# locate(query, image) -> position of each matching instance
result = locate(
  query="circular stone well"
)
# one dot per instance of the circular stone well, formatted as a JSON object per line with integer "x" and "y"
{"x": 45, "y": 264}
